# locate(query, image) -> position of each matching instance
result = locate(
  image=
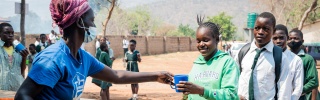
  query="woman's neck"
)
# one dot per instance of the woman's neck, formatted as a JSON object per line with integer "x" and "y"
{"x": 73, "y": 42}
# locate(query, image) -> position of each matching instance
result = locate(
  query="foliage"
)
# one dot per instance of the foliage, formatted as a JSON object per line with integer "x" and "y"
{"x": 187, "y": 31}
{"x": 228, "y": 29}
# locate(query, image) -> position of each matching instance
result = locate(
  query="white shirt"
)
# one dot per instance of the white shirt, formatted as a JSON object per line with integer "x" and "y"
{"x": 125, "y": 43}
{"x": 36, "y": 43}
{"x": 264, "y": 75}
{"x": 97, "y": 44}
{"x": 52, "y": 38}
{"x": 110, "y": 52}
{"x": 296, "y": 75}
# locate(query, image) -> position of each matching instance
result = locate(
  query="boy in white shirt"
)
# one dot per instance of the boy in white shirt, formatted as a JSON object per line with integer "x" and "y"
{"x": 258, "y": 79}
{"x": 280, "y": 38}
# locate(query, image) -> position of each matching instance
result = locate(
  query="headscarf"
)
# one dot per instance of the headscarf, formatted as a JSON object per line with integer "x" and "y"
{"x": 66, "y": 12}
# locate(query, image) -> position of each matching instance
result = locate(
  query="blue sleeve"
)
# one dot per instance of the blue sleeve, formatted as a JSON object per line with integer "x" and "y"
{"x": 45, "y": 72}
{"x": 95, "y": 65}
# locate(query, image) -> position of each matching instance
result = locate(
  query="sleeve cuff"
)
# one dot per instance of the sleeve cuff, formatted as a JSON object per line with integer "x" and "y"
{"x": 206, "y": 93}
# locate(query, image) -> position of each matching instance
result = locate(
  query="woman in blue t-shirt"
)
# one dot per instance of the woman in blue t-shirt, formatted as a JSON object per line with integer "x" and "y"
{"x": 60, "y": 71}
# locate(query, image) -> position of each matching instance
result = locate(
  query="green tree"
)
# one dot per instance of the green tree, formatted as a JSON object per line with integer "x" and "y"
{"x": 186, "y": 30}
{"x": 227, "y": 27}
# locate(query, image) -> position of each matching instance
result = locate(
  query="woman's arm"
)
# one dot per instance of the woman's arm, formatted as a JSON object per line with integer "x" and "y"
{"x": 126, "y": 77}
{"x": 28, "y": 90}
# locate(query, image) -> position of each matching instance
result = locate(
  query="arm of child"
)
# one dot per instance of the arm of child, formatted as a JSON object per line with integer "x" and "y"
{"x": 311, "y": 76}
{"x": 229, "y": 84}
{"x": 139, "y": 57}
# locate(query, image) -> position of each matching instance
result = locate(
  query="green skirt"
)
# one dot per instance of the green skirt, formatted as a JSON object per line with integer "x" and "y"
{"x": 132, "y": 66}
{"x": 104, "y": 85}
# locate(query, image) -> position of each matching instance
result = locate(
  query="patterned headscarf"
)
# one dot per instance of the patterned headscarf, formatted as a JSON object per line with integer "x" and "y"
{"x": 66, "y": 12}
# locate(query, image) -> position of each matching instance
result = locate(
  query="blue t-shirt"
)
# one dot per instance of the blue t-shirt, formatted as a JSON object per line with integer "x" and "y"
{"x": 62, "y": 75}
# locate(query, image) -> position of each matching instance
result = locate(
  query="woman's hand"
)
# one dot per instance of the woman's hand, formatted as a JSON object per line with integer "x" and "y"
{"x": 190, "y": 88}
{"x": 165, "y": 77}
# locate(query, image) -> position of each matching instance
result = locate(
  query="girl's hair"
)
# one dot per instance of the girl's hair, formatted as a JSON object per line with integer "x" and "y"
{"x": 103, "y": 46}
{"x": 214, "y": 29}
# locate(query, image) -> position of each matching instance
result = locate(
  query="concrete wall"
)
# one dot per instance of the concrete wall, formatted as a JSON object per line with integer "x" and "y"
{"x": 147, "y": 45}
{"x": 311, "y": 32}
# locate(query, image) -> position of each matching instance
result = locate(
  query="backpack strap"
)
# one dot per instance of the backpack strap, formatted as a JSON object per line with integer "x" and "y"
{"x": 277, "y": 56}
{"x": 243, "y": 51}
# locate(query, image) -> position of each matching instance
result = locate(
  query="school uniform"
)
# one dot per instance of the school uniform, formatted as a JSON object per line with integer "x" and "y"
{"x": 30, "y": 58}
{"x": 132, "y": 59}
{"x": 218, "y": 76}
{"x": 310, "y": 75}
{"x": 296, "y": 75}
{"x": 41, "y": 46}
{"x": 105, "y": 59}
{"x": 264, "y": 75}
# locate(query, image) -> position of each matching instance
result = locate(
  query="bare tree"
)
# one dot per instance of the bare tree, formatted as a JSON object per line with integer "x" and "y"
{"x": 306, "y": 14}
{"x": 105, "y": 23}
{"x": 22, "y": 21}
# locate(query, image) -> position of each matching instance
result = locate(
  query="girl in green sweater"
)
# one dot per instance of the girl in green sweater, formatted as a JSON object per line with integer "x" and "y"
{"x": 214, "y": 75}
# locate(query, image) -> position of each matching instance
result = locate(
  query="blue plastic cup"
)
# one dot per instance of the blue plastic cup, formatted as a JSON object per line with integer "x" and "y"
{"x": 177, "y": 78}
{"x": 19, "y": 47}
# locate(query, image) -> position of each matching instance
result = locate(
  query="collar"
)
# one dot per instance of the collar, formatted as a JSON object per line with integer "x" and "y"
{"x": 66, "y": 49}
{"x": 301, "y": 52}
{"x": 1, "y": 43}
{"x": 269, "y": 46}
{"x": 45, "y": 43}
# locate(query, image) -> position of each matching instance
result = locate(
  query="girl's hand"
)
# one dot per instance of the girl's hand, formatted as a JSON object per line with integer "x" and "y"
{"x": 190, "y": 88}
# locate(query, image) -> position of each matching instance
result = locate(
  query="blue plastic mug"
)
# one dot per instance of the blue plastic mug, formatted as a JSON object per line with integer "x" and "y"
{"x": 19, "y": 47}
{"x": 177, "y": 78}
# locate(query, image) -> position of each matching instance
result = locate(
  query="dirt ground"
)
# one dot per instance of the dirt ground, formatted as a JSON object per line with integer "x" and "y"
{"x": 176, "y": 63}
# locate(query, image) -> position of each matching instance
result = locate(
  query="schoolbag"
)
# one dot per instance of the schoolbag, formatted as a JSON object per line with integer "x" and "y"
{"x": 277, "y": 56}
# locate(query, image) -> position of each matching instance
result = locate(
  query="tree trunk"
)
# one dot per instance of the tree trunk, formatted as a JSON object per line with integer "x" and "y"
{"x": 22, "y": 20}
{"x": 113, "y": 2}
{"x": 306, "y": 13}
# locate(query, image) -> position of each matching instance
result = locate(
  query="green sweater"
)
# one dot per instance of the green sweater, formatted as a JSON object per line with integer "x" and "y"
{"x": 310, "y": 72}
{"x": 219, "y": 76}
{"x": 105, "y": 59}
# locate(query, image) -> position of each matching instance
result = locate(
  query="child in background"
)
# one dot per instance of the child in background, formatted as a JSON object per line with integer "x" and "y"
{"x": 132, "y": 57}
{"x": 32, "y": 50}
{"x": 105, "y": 59}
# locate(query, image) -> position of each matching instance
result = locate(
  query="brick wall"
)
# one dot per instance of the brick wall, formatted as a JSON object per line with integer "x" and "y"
{"x": 172, "y": 44}
{"x": 147, "y": 45}
{"x": 156, "y": 45}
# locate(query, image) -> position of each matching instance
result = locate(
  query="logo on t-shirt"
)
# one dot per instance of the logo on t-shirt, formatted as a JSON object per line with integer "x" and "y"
{"x": 78, "y": 85}
{"x": 206, "y": 75}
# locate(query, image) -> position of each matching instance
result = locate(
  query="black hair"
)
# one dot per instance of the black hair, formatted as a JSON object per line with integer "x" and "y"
{"x": 133, "y": 41}
{"x": 269, "y": 16}
{"x": 102, "y": 46}
{"x": 2, "y": 25}
{"x": 283, "y": 28}
{"x": 214, "y": 29}
{"x": 297, "y": 31}
{"x": 32, "y": 45}
{"x": 43, "y": 35}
